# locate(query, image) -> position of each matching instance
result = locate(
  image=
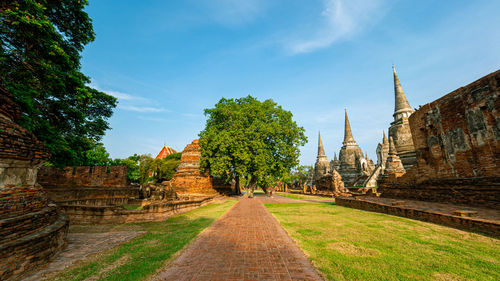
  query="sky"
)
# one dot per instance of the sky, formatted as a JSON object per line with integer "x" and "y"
{"x": 167, "y": 61}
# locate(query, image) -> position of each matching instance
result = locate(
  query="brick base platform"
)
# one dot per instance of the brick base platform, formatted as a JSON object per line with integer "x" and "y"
{"x": 83, "y": 214}
{"x": 487, "y": 222}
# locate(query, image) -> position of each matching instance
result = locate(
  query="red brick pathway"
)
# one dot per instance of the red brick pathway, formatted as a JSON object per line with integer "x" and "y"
{"x": 247, "y": 243}
{"x": 281, "y": 199}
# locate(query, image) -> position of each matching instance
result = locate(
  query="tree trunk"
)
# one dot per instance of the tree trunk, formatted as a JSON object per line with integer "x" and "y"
{"x": 251, "y": 187}
{"x": 237, "y": 189}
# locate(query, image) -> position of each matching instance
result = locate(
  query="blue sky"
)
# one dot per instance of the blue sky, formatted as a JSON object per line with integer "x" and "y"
{"x": 166, "y": 61}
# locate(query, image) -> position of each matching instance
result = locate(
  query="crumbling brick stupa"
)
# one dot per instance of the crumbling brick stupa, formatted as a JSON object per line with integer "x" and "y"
{"x": 189, "y": 179}
{"x": 353, "y": 166}
{"x": 31, "y": 229}
{"x": 457, "y": 142}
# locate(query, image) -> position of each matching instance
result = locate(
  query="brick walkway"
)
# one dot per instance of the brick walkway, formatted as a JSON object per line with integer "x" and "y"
{"x": 282, "y": 199}
{"x": 247, "y": 243}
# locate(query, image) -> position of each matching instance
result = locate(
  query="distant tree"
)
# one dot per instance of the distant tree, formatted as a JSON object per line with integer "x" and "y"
{"x": 97, "y": 156}
{"x": 145, "y": 167}
{"x": 252, "y": 139}
{"x": 40, "y": 47}
{"x": 302, "y": 173}
{"x": 157, "y": 170}
{"x": 167, "y": 169}
{"x": 176, "y": 156}
{"x": 132, "y": 164}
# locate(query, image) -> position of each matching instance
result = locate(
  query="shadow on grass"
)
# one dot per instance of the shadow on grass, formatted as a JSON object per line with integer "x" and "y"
{"x": 143, "y": 256}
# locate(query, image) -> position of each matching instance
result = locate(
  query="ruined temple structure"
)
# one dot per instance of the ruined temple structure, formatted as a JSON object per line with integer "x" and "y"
{"x": 457, "y": 142}
{"x": 378, "y": 171}
{"x": 322, "y": 166}
{"x": 354, "y": 166}
{"x": 400, "y": 127}
{"x": 332, "y": 183}
{"x": 189, "y": 179}
{"x": 32, "y": 230}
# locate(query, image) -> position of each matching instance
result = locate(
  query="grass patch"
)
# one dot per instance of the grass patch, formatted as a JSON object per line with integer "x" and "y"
{"x": 350, "y": 244}
{"x": 132, "y": 207}
{"x": 298, "y": 196}
{"x": 143, "y": 256}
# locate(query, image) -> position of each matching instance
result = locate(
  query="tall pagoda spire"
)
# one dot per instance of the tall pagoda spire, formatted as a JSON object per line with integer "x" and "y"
{"x": 348, "y": 138}
{"x": 321, "y": 151}
{"x": 401, "y": 103}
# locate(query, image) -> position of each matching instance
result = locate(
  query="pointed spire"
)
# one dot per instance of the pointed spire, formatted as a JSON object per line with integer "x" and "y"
{"x": 392, "y": 147}
{"x": 393, "y": 164}
{"x": 366, "y": 156}
{"x": 385, "y": 140}
{"x": 321, "y": 151}
{"x": 335, "y": 156}
{"x": 401, "y": 103}
{"x": 348, "y": 139}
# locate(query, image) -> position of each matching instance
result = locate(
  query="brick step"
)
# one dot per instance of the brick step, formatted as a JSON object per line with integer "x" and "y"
{"x": 30, "y": 251}
{"x": 16, "y": 227}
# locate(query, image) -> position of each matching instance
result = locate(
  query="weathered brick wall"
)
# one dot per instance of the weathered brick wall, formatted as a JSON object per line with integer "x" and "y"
{"x": 31, "y": 230}
{"x": 457, "y": 139}
{"x": 84, "y": 176}
{"x": 20, "y": 200}
{"x": 63, "y": 194}
{"x": 458, "y": 135}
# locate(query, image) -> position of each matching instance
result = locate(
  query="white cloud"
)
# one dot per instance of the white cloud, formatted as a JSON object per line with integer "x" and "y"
{"x": 116, "y": 94}
{"x": 119, "y": 95}
{"x": 340, "y": 19}
{"x": 142, "y": 108}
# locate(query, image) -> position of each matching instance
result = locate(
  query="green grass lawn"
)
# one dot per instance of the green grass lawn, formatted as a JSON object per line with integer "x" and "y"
{"x": 143, "y": 256}
{"x": 298, "y": 196}
{"x": 349, "y": 244}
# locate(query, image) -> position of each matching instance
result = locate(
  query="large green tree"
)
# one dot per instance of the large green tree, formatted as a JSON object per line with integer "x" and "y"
{"x": 41, "y": 41}
{"x": 252, "y": 139}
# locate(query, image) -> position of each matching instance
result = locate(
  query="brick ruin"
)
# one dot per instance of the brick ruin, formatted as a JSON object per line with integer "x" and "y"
{"x": 85, "y": 176}
{"x": 331, "y": 183}
{"x": 456, "y": 139}
{"x": 189, "y": 179}
{"x": 98, "y": 194}
{"x": 31, "y": 229}
{"x": 99, "y": 185}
